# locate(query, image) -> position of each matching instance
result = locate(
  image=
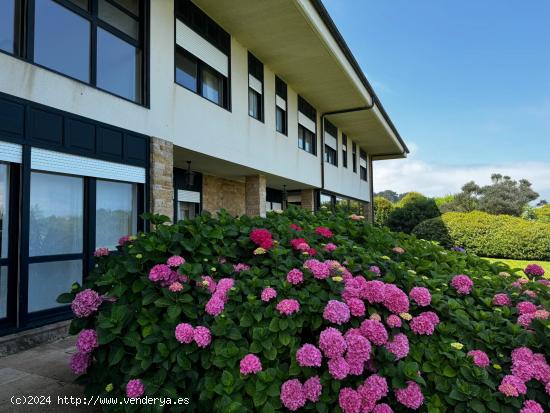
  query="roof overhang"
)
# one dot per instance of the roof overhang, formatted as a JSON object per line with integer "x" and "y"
{"x": 299, "y": 42}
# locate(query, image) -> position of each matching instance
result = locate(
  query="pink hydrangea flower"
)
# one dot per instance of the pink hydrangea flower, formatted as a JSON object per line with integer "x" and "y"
{"x": 375, "y": 269}
{"x": 250, "y": 364}
{"x": 332, "y": 343}
{"x": 531, "y": 406}
{"x": 398, "y": 250}
{"x": 421, "y": 296}
{"x": 210, "y": 283}
{"x": 462, "y": 284}
{"x": 176, "y": 287}
{"x": 295, "y": 276}
{"x": 349, "y": 400}
{"x": 534, "y": 270}
{"x": 373, "y": 291}
{"x": 87, "y": 341}
{"x": 374, "y": 388}
{"x": 359, "y": 348}
{"x": 295, "y": 227}
{"x": 288, "y": 306}
{"x": 382, "y": 408}
{"x": 330, "y": 247}
{"x": 512, "y": 386}
{"x": 319, "y": 269}
{"x": 375, "y": 331}
{"x": 393, "y": 321}
{"x": 240, "y": 267}
{"x": 526, "y": 307}
{"x": 268, "y": 294}
{"x": 215, "y": 305}
{"x": 430, "y": 315}
{"x": 422, "y": 325}
{"x": 134, "y": 389}
{"x": 411, "y": 396}
{"x": 160, "y": 272}
{"x": 398, "y": 346}
{"x": 262, "y": 238}
{"x": 299, "y": 244}
{"x": 336, "y": 312}
{"x": 530, "y": 293}
{"x": 85, "y": 303}
{"x": 123, "y": 240}
{"x": 175, "y": 261}
{"x": 101, "y": 252}
{"x": 356, "y": 366}
{"x": 309, "y": 356}
{"x": 480, "y": 358}
{"x": 395, "y": 299}
{"x": 356, "y": 307}
{"x": 313, "y": 388}
{"x": 202, "y": 336}
{"x": 80, "y": 362}
{"x": 292, "y": 395}
{"x": 324, "y": 232}
{"x": 184, "y": 333}
{"x": 502, "y": 300}
{"x": 338, "y": 368}
{"x": 224, "y": 285}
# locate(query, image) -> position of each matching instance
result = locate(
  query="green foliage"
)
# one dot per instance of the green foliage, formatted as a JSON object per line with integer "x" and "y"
{"x": 443, "y": 200}
{"x": 542, "y": 213}
{"x": 136, "y": 332}
{"x": 500, "y": 236}
{"x": 411, "y": 211}
{"x": 382, "y": 210}
{"x": 390, "y": 195}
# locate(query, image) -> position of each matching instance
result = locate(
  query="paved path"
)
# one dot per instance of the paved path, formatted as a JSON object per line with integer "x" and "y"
{"x": 41, "y": 371}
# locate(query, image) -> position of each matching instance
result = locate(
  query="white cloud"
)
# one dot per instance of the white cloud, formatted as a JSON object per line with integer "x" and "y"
{"x": 404, "y": 175}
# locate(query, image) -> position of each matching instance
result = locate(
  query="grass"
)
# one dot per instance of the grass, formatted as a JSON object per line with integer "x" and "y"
{"x": 520, "y": 265}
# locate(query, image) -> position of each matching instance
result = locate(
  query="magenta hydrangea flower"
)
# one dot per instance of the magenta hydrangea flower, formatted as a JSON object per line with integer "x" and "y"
{"x": 209, "y": 282}
{"x": 382, "y": 408}
{"x": 502, "y": 300}
{"x": 422, "y": 325}
{"x": 374, "y": 388}
{"x": 393, "y": 321}
{"x": 480, "y": 358}
{"x": 531, "y": 406}
{"x": 411, "y": 396}
{"x": 526, "y": 307}
{"x": 356, "y": 307}
{"x": 160, "y": 272}
{"x": 395, "y": 299}
{"x": 375, "y": 269}
{"x": 288, "y": 306}
{"x": 295, "y": 227}
{"x": 202, "y": 336}
{"x": 295, "y": 276}
{"x": 134, "y": 389}
{"x": 349, "y": 400}
{"x": 534, "y": 270}
{"x": 398, "y": 346}
{"x": 87, "y": 341}
{"x": 373, "y": 291}
{"x": 359, "y": 348}
{"x": 375, "y": 331}
{"x": 332, "y": 343}
{"x": 324, "y": 232}
{"x": 175, "y": 261}
{"x": 101, "y": 252}
{"x": 330, "y": 247}
{"x": 80, "y": 362}
{"x": 250, "y": 364}
{"x": 240, "y": 267}
{"x": 262, "y": 238}
{"x": 292, "y": 395}
{"x": 313, "y": 389}
{"x": 319, "y": 269}
{"x": 462, "y": 284}
{"x": 224, "y": 285}
{"x": 512, "y": 386}
{"x": 430, "y": 315}
{"x": 309, "y": 356}
{"x": 85, "y": 303}
{"x": 421, "y": 296}
{"x": 184, "y": 333}
{"x": 268, "y": 294}
{"x": 336, "y": 312}
{"x": 338, "y": 368}
{"x": 123, "y": 240}
{"x": 215, "y": 305}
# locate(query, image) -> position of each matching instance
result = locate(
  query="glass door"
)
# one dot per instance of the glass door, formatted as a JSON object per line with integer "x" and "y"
{"x": 4, "y": 238}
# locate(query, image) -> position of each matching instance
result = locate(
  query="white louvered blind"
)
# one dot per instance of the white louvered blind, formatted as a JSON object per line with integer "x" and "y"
{"x": 255, "y": 84}
{"x": 50, "y": 161}
{"x": 306, "y": 122}
{"x": 10, "y": 152}
{"x": 198, "y": 46}
{"x": 331, "y": 141}
{"x": 189, "y": 196}
{"x": 279, "y": 101}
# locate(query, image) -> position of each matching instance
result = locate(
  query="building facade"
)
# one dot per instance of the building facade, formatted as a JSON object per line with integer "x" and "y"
{"x": 109, "y": 108}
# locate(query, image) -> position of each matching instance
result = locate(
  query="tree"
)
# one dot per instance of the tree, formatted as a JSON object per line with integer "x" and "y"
{"x": 411, "y": 211}
{"x": 382, "y": 210}
{"x": 465, "y": 201}
{"x": 390, "y": 195}
{"x": 542, "y": 202}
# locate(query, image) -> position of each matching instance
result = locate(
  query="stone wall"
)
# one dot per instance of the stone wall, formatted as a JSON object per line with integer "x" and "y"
{"x": 161, "y": 177}
{"x": 218, "y": 193}
{"x": 255, "y": 195}
{"x": 308, "y": 199}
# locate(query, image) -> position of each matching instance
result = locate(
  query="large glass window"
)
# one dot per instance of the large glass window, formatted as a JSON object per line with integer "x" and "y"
{"x": 212, "y": 86}
{"x": 281, "y": 120}
{"x": 3, "y": 292}
{"x": 56, "y": 214}
{"x": 118, "y": 66}
{"x": 254, "y": 104}
{"x": 4, "y": 210}
{"x": 330, "y": 155}
{"x": 118, "y": 18}
{"x": 116, "y": 212}
{"x": 344, "y": 151}
{"x": 62, "y": 40}
{"x": 255, "y": 87}
{"x": 306, "y": 139}
{"x": 363, "y": 165}
{"x": 354, "y": 156}
{"x": 9, "y": 25}
{"x": 186, "y": 71}
{"x": 187, "y": 210}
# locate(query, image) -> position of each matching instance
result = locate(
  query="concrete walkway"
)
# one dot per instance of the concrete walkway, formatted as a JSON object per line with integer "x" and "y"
{"x": 41, "y": 371}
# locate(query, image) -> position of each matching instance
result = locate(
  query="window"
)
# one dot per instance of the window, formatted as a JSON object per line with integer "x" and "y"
{"x": 186, "y": 70}
{"x": 4, "y": 222}
{"x": 116, "y": 212}
{"x": 344, "y": 151}
{"x": 255, "y": 87}
{"x": 187, "y": 210}
{"x": 354, "y": 156}
{"x": 100, "y": 42}
{"x": 363, "y": 165}
{"x": 326, "y": 200}
{"x": 331, "y": 143}
{"x": 306, "y": 140}
{"x": 10, "y": 16}
{"x": 281, "y": 120}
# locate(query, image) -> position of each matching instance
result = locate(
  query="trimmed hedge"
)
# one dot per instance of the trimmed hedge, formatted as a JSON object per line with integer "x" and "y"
{"x": 499, "y": 236}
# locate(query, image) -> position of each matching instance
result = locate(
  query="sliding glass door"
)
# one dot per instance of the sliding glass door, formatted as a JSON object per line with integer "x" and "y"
{"x": 4, "y": 238}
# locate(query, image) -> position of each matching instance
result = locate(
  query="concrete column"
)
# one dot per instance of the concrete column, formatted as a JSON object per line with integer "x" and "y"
{"x": 308, "y": 199}
{"x": 162, "y": 177}
{"x": 368, "y": 211}
{"x": 255, "y": 195}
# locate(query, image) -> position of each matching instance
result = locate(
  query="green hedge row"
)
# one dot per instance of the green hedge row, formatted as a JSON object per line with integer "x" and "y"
{"x": 499, "y": 236}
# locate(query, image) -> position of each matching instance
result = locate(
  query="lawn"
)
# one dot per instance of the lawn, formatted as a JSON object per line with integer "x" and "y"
{"x": 519, "y": 264}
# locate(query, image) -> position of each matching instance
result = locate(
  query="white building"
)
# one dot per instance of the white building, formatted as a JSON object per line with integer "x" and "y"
{"x": 103, "y": 104}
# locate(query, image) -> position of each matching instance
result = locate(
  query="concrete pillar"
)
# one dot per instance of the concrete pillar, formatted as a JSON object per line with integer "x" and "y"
{"x": 308, "y": 199}
{"x": 368, "y": 211}
{"x": 162, "y": 177}
{"x": 255, "y": 195}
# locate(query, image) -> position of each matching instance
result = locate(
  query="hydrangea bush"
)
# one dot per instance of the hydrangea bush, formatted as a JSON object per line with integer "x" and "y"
{"x": 259, "y": 315}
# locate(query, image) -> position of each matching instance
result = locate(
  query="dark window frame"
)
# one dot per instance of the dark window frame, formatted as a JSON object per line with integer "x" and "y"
{"x": 344, "y": 150}
{"x": 304, "y": 139}
{"x": 331, "y": 154}
{"x": 354, "y": 156}
{"x": 281, "y": 90}
{"x": 310, "y": 112}
{"x": 27, "y": 33}
{"x": 363, "y": 172}
{"x": 256, "y": 69}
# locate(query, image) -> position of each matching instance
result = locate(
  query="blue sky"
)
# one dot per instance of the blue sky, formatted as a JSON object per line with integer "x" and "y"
{"x": 467, "y": 84}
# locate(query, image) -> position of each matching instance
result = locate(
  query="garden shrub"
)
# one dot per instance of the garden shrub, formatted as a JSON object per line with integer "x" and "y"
{"x": 382, "y": 210}
{"x": 411, "y": 211}
{"x": 499, "y": 236}
{"x": 542, "y": 213}
{"x": 321, "y": 313}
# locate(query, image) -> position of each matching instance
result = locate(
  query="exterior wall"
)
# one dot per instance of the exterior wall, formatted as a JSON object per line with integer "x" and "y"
{"x": 255, "y": 195}
{"x": 162, "y": 177}
{"x": 218, "y": 193}
{"x": 308, "y": 199}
